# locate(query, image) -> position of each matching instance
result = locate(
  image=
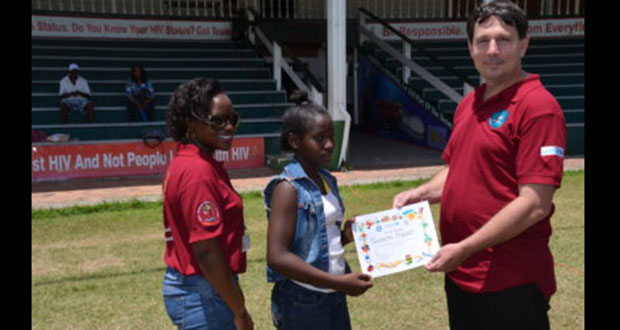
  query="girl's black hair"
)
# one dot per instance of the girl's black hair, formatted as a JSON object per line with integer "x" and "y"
{"x": 299, "y": 97}
{"x": 297, "y": 120}
{"x": 142, "y": 73}
{"x": 197, "y": 95}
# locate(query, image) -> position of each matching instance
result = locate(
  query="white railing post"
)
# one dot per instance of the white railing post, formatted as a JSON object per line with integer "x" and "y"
{"x": 362, "y": 23}
{"x": 467, "y": 88}
{"x": 356, "y": 119}
{"x": 576, "y": 7}
{"x": 251, "y": 34}
{"x": 406, "y": 70}
{"x": 316, "y": 97}
{"x": 272, "y": 14}
{"x": 418, "y": 9}
{"x": 337, "y": 70}
{"x": 277, "y": 66}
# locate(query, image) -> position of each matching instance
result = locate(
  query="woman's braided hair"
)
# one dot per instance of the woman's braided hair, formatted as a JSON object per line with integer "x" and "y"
{"x": 195, "y": 95}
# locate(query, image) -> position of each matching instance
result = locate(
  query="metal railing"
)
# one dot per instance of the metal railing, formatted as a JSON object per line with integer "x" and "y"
{"x": 404, "y": 57}
{"x": 460, "y": 9}
{"x": 161, "y": 8}
{"x": 280, "y": 63}
{"x": 408, "y": 65}
{"x": 300, "y": 9}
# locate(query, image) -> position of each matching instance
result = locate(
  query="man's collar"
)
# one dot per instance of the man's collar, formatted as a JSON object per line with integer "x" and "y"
{"x": 509, "y": 93}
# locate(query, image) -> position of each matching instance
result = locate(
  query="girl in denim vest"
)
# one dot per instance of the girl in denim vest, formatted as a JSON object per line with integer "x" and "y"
{"x": 304, "y": 241}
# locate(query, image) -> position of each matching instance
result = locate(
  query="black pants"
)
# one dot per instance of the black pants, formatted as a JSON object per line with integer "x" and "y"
{"x": 135, "y": 114}
{"x": 519, "y": 308}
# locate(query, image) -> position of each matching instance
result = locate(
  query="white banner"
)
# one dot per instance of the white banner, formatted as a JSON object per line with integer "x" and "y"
{"x": 65, "y": 26}
{"x": 570, "y": 27}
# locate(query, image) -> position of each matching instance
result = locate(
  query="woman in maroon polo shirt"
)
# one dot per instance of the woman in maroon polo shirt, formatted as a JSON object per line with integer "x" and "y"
{"x": 203, "y": 214}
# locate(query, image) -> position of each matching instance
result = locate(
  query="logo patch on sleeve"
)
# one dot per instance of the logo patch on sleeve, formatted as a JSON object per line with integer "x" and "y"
{"x": 208, "y": 214}
{"x": 552, "y": 151}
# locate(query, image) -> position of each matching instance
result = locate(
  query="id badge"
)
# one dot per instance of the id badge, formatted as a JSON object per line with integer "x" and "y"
{"x": 245, "y": 243}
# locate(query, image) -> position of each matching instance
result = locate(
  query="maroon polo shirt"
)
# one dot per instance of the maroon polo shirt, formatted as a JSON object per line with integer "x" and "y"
{"x": 514, "y": 138}
{"x": 199, "y": 204}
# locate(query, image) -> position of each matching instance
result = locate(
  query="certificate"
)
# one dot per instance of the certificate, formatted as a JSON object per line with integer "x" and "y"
{"x": 395, "y": 240}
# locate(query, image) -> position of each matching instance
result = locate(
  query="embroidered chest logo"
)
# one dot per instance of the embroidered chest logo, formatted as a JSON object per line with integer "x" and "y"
{"x": 498, "y": 119}
{"x": 208, "y": 214}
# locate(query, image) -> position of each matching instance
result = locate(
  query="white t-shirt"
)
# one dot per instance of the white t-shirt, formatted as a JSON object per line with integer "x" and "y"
{"x": 333, "y": 214}
{"x": 67, "y": 87}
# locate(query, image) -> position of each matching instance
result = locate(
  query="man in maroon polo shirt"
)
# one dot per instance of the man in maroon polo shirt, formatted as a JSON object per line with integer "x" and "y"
{"x": 505, "y": 161}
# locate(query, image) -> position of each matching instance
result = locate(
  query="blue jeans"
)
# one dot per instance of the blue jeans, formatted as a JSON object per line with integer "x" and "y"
{"x": 76, "y": 104}
{"x": 192, "y": 303}
{"x": 296, "y": 308}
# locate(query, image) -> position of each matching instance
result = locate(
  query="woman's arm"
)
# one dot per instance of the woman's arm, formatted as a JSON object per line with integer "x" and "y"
{"x": 214, "y": 267}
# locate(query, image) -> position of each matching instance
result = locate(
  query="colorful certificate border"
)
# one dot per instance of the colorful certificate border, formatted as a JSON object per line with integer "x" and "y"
{"x": 419, "y": 212}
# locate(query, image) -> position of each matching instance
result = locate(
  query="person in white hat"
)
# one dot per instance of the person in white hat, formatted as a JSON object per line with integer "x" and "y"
{"x": 74, "y": 95}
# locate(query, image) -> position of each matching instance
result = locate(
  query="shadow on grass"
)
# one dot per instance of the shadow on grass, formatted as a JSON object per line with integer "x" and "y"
{"x": 113, "y": 275}
{"x": 98, "y": 276}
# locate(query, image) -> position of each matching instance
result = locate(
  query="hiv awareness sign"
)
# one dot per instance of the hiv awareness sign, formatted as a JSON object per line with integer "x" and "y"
{"x": 562, "y": 27}
{"x": 76, "y": 161}
{"x": 92, "y": 27}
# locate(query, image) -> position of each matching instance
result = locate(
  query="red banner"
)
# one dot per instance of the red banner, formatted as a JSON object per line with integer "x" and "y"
{"x": 75, "y": 161}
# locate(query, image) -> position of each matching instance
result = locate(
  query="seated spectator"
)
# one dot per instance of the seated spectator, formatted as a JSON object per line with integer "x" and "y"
{"x": 74, "y": 95}
{"x": 141, "y": 95}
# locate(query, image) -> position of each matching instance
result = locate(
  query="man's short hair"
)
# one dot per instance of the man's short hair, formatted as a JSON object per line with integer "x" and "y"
{"x": 508, "y": 11}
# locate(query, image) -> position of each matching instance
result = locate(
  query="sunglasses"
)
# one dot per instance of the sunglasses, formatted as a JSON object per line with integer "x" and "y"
{"x": 219, "y": 122}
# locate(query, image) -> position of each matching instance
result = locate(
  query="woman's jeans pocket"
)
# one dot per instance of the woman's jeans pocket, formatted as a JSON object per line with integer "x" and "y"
{"x": 192, "y": 303}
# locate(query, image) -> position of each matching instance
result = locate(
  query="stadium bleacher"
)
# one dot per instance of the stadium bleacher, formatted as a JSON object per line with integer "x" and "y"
{"x": 559, "y": 61}
{"x": 247, "y": 80}
{"x": 106, "y": 64}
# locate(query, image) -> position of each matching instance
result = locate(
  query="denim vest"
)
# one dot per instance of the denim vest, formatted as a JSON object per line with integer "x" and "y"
{"x": 310, "y": 242}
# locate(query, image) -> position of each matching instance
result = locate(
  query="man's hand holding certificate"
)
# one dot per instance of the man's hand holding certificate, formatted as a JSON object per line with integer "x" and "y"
{"x": 395, "y": 240}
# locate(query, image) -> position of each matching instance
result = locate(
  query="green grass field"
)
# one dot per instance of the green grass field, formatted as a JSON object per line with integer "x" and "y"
{"x": 101, "y": 267}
